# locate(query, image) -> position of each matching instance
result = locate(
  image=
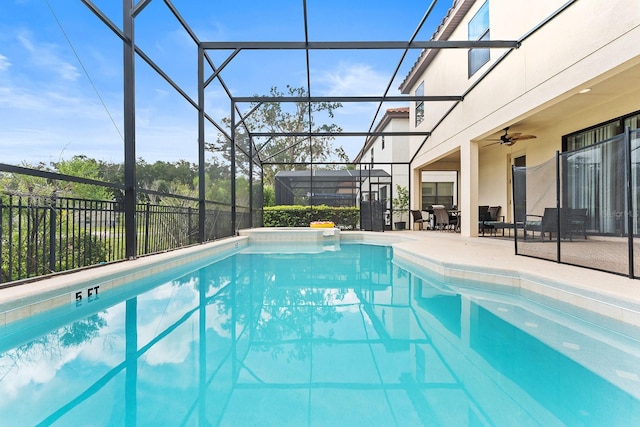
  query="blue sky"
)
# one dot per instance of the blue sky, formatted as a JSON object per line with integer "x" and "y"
{"x": 61, "y": 69}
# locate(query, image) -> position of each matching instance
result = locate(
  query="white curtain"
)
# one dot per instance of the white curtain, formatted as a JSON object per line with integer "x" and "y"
{"x": 593, "y": 176}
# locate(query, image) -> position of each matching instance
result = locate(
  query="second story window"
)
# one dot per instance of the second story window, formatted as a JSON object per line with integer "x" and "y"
{"x": 419, "y": 105}
{"x": 479, "y": 30}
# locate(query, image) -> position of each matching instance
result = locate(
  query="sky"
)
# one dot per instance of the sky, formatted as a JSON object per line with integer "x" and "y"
{"x": 61, "y": 70}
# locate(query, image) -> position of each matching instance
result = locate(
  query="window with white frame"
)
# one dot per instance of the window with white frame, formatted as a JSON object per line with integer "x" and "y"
{"x": 479, "y": 30}
{"x": 439, "y": 188}
{"x": 419, "y": 105}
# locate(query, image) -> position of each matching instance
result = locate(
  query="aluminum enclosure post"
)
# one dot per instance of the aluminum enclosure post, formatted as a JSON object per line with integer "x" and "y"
{"x": 130, "y": 196}
{"x": 234, "y": 224}
{"x": 201, "y": 160}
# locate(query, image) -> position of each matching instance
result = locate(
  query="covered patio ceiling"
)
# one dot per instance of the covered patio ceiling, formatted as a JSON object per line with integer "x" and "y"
{"x": 604, "y": 89}
{"x": 590, "y": 95}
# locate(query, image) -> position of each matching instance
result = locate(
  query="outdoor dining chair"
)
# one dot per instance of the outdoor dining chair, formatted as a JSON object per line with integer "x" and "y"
{"x": 418, "y": 219}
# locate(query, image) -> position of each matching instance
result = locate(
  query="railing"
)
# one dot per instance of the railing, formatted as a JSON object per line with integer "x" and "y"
{"x": 40, "y": 235}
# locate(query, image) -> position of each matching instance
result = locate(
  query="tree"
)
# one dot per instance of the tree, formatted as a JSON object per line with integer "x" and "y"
{"x": 269, "y": 195}
{"x": 84, "y": 167}
{"x": 290, "y": 152}
{"x": 401, "y": 201}
{"x": 27, "y": 223}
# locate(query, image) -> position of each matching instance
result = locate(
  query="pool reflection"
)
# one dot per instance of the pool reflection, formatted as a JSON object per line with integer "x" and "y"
{"x": 339, "y": 338}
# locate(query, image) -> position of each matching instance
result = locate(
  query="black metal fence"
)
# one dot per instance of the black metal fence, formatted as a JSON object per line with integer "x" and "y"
{"x": 582, "y": 207}
{"x": 40, "y": 235}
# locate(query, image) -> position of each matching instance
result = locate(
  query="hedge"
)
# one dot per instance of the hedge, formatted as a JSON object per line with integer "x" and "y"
{"x": 302, "y": 216}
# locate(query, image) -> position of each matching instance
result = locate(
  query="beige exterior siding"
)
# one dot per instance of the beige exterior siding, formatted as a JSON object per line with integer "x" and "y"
{"x": 533, "y": 90}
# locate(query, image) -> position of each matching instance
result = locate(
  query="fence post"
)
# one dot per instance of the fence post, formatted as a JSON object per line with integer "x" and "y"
{"x": 147, "y": 219}
{"x": 629, "y": 198}
{"x": 513, "y": 203}
{"x": 559, "y": 227}
{"x": 52, "y": 235}
{"x": 189, "y": 226}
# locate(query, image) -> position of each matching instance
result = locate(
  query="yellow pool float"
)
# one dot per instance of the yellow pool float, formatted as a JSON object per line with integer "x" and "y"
{"x": 322, "y": 224}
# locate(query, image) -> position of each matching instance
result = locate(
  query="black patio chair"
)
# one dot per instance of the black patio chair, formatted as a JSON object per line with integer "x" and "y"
{"x": 489, "y": 218}
{"x": 572, "y": 221}
{"x": 577, "y": 221}
{"x": 418, "y": 219}
{"x": 483, "y": 217}
{"x": 545, "y": 223}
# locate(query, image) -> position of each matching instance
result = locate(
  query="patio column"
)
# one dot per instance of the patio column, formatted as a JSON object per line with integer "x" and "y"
{"x": 468, "y": 196}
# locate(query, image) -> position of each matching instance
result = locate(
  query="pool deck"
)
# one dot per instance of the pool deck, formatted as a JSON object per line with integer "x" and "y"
{"x": 487, "y": 252}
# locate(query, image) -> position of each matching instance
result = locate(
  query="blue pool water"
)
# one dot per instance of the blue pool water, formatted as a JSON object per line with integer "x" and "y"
{"x": 343, "y": 337}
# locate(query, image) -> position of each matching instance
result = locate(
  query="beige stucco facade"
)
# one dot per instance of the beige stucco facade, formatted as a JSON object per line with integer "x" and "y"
{"x": 390, "y": 154}
{"x": 533, "y": 89}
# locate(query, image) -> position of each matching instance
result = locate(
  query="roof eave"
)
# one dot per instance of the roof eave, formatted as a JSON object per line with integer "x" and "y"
{"x": 450, "y": 22}
{"x": 389, "y": 115}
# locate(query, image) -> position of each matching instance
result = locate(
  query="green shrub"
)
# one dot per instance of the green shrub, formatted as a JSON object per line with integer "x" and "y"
{"x": 302, "y": 216}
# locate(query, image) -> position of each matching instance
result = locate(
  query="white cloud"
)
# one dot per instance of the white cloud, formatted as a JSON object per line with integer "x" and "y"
{"x": 43, "y": 364}
{"x": 4, "y": 63}
{"x": 352, "y": 80}
{"x": 45, "y": 57}
{"x": 16, "y": 98}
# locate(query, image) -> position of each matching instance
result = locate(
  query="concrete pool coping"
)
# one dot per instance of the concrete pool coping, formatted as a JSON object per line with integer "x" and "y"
{"x": 471, "y": 260}
{"x": 448, "y": 254}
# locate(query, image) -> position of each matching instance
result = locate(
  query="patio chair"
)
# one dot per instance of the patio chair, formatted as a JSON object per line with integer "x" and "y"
{"x": 443, "y": 221}
{"x": 454, "y": 218}
{"x": 577, "y": 221}
{"x": 418, "y": 219}
{"x": 494, "y": 213}
{"x": 483, "y": 217}
{"x": 492, "y": 220}
{"x": 548, "y": 223}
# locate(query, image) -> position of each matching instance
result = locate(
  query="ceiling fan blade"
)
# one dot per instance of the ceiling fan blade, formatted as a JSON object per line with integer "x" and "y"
{"x": 500, "y": 142}
{"x": 523, "y": 137}
{"x": 508, "y": 139}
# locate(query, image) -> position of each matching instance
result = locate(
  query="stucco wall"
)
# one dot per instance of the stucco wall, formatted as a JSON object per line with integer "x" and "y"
{"x": 589, "y": 43}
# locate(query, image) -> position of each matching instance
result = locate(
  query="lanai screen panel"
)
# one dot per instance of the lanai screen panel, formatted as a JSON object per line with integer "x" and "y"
{"x": 322, "y": 187}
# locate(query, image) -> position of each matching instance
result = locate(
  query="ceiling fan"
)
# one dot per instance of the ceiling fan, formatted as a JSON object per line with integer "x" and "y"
{"x": 509, "y": 139}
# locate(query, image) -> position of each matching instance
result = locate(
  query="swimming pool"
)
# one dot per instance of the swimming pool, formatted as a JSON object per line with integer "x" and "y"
{"x": 338, "y": 334}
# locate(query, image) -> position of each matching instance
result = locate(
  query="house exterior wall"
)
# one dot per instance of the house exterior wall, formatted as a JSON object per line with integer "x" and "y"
{"x": 394, "y": 157}
{"x": 533, "y": 89}
{"x": 396, "y": 147}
